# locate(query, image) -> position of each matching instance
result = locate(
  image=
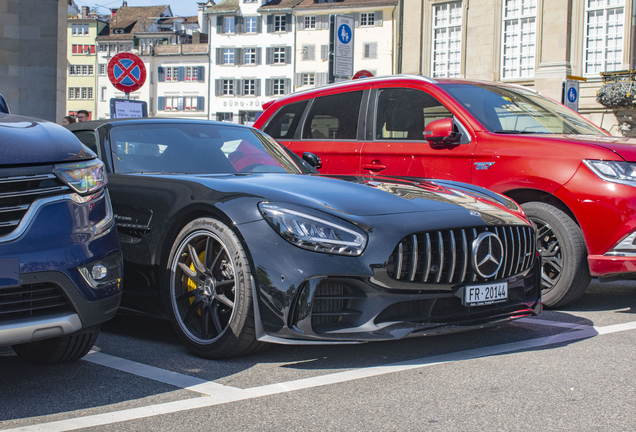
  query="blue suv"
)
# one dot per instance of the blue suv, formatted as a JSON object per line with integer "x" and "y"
{"x": 60, "y": 261}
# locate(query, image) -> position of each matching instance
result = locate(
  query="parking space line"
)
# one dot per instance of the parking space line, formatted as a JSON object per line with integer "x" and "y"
{"x": 616, "y": 328}
{"x": 233, "y": 395}
{"x": 162, "y": 375}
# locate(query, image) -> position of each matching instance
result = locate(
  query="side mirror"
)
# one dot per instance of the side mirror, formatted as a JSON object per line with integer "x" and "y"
{"x": 312, "y": 160}
{"x": 4, "y": 107}
{"x": 441, "y": 132}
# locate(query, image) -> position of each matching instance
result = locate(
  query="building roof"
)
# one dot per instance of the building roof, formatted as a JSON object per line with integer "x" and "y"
{"x": 226, "y": 6}
{"x": 311, "y": 4}
{"x": 131, "y": 20}
{"x": 279, "y": 5}
{"x": 140, "y": 16}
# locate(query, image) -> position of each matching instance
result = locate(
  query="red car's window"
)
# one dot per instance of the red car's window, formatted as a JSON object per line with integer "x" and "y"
{"x": 403, "y": 113}
{"x": 334, "y": 117}
{"x": 284, "y": 123}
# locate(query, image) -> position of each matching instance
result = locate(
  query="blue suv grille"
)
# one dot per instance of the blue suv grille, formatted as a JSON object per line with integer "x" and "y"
{"x": 30, "y": 300}
{"x": 18, "y": 193}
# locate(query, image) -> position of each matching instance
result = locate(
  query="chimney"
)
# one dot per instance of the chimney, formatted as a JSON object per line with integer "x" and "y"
{"x": 124, "y": 3}
{"x": 85, "y": 11}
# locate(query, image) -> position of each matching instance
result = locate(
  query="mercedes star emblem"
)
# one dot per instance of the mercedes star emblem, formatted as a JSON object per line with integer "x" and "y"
{"x": 488, "y": 254}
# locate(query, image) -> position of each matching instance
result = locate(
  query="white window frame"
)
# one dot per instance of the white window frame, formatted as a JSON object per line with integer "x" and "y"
{"x": 250, "y": 56}
{"x": 518, "y": 39}
{"x": 310, "y": 22}
{"x": 280, "y": 23}
{"x": 228, "y": 56}
{"x": 191, "y": 73}
{"x": 278, "y": 85}
{"x": 227, "y": 87}
{"x": 367, "y": 19}
{"x": 250, "y": 24}
{"x": 104, "y": 92}
{"x": 309, "y": 79}
{"x": 446, "y": 49}
{"x": 278, "y": 55}
{"x": 229, "y": 25}
{"x": 249, "y": 87}
{"x": 610, "y": 36}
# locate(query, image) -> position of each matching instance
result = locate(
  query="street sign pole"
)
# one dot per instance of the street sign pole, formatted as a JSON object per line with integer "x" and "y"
{"x": 332, "y": 25}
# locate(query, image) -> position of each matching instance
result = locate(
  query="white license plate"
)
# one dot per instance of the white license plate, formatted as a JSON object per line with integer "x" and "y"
{"x": 481, "y": 295}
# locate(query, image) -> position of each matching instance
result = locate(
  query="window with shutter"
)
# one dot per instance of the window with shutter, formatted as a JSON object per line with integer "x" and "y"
{"x": 324, "y": 52}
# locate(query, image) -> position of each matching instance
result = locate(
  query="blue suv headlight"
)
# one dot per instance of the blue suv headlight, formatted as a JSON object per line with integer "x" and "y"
{"x": 84, "y": 177}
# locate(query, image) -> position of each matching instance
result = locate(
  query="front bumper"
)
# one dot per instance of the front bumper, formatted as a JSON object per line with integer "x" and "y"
{"x": 43, "y": 293}
{"x": 308, "y": 297}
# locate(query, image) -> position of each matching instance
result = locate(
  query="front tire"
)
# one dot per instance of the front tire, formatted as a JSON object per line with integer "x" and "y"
{"x": 59, "y": 350}
{"x": 565, "y": 274}
{"x": 209, "y": 293}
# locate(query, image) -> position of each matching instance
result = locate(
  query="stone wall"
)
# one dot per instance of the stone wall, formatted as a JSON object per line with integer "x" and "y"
{"x": 33, "y": 57}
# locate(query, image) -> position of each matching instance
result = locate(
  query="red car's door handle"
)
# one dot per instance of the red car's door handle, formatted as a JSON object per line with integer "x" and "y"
{"x": 373, "y": 167}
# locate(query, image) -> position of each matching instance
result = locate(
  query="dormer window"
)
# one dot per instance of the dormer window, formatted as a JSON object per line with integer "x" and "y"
{"x": 118, "y": 31}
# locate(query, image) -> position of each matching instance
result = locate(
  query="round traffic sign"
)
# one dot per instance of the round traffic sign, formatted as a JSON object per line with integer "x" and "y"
{"x": 572, "y": 95}
{"x": 362, "y": 74}
{"x": 344, "y": 34}
{"x": 127, "y": 72}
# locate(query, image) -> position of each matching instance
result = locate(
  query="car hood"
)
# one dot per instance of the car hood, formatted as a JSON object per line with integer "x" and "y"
{"x": 368, "y": 196}
{"x": 26, "y": 141}
{"x": 622, "y": 146}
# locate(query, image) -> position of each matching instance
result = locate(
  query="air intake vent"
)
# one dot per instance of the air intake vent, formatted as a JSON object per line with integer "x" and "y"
{"x": 18, "y": 193}
{"x": 31, "y": 300}
{"x": 446, "y": 257}
{"x": 331, "y": 303}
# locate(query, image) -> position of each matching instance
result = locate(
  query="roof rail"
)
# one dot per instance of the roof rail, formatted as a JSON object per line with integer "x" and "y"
{"x": 375, "y": 78}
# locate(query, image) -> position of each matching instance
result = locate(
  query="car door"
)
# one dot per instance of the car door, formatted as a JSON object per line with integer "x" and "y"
{"x": 395, "y": 142}
{"x": 333, "y": 130}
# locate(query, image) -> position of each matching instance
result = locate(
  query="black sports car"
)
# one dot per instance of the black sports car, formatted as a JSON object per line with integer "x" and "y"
{"x": 231, "y": 238}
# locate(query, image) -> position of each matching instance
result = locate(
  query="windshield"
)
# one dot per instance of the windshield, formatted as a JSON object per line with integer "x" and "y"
{"x": 191, "y": 148}
{"x": 508, "y": 110}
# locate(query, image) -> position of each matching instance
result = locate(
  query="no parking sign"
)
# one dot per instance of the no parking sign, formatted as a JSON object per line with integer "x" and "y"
{"x": 127, "y": 72}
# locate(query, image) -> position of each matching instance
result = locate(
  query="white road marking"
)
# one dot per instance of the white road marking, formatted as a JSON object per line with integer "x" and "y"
{"x": 230, "y": 394}
{"x": 616, "y": 328}
{"x": 165, "y": 376}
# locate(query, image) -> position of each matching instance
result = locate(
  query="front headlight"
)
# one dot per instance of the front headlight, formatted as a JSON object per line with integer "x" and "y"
{"x": 612, "y": 171}
{"x": 322, "y": 233}
{"x": 83, "y": 177}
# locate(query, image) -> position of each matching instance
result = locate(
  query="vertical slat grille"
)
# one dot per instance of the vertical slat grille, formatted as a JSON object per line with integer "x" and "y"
{"x": 446, "y": 256}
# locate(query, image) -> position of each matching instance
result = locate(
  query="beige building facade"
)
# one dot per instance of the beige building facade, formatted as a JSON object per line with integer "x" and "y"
{"x": 535, "y": 43}
{"x": 81, "y": 81}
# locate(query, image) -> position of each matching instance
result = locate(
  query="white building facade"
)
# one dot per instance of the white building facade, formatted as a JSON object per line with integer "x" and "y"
{"x": 374, "y": 38}
{"x": 251, "y": 56}
{"x": 177, "y": 74}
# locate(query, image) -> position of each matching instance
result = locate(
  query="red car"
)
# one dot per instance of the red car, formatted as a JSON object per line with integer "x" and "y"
{"x": 576, "y": 183}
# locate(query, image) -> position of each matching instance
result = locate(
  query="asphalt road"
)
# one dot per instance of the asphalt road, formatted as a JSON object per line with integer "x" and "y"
{"x": 567, "y": 370}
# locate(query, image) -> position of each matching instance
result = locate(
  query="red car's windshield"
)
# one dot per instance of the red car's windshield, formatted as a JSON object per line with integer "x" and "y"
{"x": 508, "y": 110}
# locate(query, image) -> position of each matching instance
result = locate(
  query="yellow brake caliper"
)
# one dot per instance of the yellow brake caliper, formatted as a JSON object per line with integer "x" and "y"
{"x": 191, "y": 285}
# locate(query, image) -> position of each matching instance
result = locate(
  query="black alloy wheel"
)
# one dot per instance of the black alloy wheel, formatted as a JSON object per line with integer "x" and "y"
{"x": 210, "y": 291}
{"x": 565, "y": 273}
